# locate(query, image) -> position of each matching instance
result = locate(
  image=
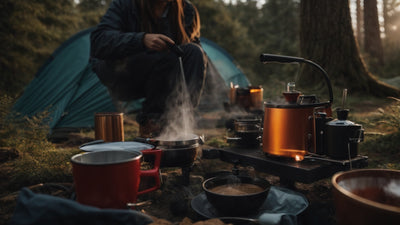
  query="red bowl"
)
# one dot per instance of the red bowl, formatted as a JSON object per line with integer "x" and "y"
{"x": 367, "y": 196}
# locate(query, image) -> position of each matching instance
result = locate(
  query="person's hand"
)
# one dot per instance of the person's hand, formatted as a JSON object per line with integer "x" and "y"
{"x": 157, "y": 42}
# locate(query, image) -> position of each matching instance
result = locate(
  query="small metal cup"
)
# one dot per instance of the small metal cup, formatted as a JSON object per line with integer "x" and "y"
{"x": 109, "y": 126}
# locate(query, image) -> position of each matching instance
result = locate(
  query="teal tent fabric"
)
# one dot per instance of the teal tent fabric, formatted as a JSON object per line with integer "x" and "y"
{"x": 67, "y": 87}
{"x": 224, "y": 64}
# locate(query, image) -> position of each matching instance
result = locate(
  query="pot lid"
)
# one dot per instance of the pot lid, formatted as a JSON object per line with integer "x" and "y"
{"x": 337, "y": 122}
{"x": 122, "y": 145}
{"x": 189, "y": 139}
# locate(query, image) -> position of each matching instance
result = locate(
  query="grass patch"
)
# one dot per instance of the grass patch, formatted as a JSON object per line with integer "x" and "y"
{"x": 51, "y": 166}
{"x": 217, "y": 142}
{"x": 38, "y": 161}
{"x": 382, "y": 145}
{"x": 383, "y": 151}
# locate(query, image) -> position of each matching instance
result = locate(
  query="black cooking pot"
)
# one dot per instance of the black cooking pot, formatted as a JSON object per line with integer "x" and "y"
{"x": 247, "y": 131}
{"x": 247, "y": 125}
{"x": 176, "y": 152}
{"x": 179, "y": 156}
{"x": 230, "y": 203}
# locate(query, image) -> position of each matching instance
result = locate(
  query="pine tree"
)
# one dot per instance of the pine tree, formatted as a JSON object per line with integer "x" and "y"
{"x": 222, "y": 27}
{"x": 372, "y": 35}
{"x": 30, "y": 31}
{"x": 91, "y": 11}
{"x": 326, "y": 37}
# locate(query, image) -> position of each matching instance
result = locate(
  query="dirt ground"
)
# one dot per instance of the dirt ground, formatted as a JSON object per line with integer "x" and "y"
{"x": 172, "y": 202}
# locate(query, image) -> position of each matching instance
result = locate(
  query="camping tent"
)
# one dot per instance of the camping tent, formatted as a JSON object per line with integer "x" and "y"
{"x": 67, "y": 87}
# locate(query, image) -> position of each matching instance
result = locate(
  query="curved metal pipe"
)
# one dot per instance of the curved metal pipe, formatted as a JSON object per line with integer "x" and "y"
{"x": 266, "y": 58}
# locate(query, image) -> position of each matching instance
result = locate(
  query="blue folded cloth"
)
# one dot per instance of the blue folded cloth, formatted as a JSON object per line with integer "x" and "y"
{"x": 284, "y": 205}
{"x": 41, "y": 209}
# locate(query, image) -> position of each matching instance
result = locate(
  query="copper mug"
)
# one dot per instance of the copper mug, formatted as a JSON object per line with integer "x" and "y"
{"x": 109, "y": 126}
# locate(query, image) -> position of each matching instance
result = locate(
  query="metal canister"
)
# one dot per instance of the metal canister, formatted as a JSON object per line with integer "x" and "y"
{"x": 342, "y": 138}
{"x": 109, "y": 126}
{"x": 289, "y": 129}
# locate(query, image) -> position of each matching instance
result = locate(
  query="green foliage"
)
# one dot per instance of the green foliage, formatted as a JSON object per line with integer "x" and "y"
{"x": 217, "y": 142}
{"x": 246, "y": 31}
{"x": 38, "y": 161}
{"x": 385, "y": 119}
{"x": 46, "y": 166}
{"x": 383, "y": 149}
{"x": 91, "y": 11}
{"x": 391, "y": 116}
{"x": 90, "y": 5}
{"x": 276, "y": 32}
{"x": 30, "y": 31}
{"x": 221, "y": 26}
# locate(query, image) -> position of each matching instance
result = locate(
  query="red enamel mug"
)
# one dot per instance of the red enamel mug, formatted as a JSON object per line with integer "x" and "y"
{"x": 111, "y": 178}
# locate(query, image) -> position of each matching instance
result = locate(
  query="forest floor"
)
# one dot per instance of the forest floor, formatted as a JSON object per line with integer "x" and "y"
{"x": 172, "y": 202}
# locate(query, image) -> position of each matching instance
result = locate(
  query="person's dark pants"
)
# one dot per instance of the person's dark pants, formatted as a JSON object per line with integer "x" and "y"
{"x": 152, "y": 75}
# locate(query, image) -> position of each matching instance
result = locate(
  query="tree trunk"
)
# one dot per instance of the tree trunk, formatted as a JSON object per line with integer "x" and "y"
{"x": 372, "y": 34}
{"x": 326, "y": 37}
{"x": 385, "y": 16}
{"x": 359, "y": 22}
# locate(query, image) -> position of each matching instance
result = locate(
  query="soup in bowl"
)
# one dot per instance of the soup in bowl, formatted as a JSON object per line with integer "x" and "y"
{"x": 236, "y": 195}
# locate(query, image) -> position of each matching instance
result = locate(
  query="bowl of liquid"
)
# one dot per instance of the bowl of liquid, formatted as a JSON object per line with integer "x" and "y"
{"x": 367, "y": 196}
{"x": 236, "y": 195}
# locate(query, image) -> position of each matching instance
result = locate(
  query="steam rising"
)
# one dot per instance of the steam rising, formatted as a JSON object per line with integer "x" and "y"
{"x": 179, "y": 114}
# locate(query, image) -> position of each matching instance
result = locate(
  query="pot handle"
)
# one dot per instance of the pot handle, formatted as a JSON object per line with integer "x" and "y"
{"x": 155, "y": 172}
{"x": 233, "y": 139}
{"x": 357, "y": 136}
{"x": 153, "y": 142}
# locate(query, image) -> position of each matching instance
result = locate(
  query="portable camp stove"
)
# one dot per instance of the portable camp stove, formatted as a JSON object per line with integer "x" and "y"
{"x": 312, "y": 168}
{"x": 300, "y": 139}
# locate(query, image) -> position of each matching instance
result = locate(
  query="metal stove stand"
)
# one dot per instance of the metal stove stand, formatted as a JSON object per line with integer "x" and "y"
{"x": 309, "y": 170}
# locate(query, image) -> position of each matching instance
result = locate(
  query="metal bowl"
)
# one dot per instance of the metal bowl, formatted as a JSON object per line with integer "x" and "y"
{"x": 367, "y": 196}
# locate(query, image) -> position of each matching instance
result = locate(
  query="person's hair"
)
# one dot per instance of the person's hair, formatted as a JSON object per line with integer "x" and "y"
{"x": 176, "y": 20}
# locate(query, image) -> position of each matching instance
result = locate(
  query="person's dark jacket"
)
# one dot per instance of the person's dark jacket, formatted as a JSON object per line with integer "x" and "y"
{"x": 118, "y": 34}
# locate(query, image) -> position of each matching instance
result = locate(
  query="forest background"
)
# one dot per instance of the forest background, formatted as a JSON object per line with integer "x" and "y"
{"x": 32, "y": 30}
